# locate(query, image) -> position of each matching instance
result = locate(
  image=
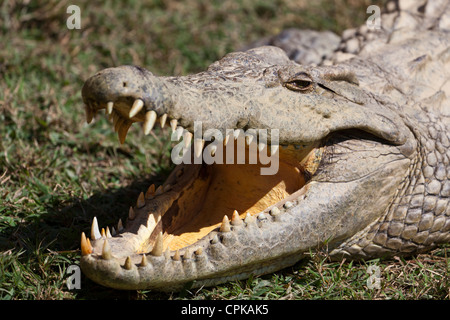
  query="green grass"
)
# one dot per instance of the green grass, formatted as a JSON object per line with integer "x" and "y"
{"x": 57, "y": 173}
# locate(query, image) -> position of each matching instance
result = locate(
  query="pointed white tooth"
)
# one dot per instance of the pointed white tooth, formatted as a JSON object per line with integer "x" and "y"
{"x": 235, "y": 219}
{"x": 225, "y": 226}
{"x": 173, "y": 124}
{"x": 187, "y": 137}
{"x": 85, "y": 247}
{"x": 150, "y": 119}
{"x": 95, "y": 232}
{"x": 128, "y": 264}
{"x": 198, "y": 147}
{"x": 119, "y": 225}
{"x": 176, "y": 256}
{"x": 137, "y": 106}
{"x": 106, "y": 252}
{"x": 158, "y": 246}
{"x": 163, "y": 120}
{"x": 109, "y": 107}
{"x": 144, "y": 261}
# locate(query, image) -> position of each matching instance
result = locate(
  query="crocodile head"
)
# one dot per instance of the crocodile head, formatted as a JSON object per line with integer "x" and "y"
{"x": 217, "y": 220}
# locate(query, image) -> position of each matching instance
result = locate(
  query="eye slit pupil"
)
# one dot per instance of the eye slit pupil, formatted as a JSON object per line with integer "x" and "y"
{"x": 302, "y": 83}
{"x": 299, "y": 85}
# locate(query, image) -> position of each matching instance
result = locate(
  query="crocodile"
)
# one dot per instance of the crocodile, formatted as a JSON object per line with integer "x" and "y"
{"x": 360, "y": 141}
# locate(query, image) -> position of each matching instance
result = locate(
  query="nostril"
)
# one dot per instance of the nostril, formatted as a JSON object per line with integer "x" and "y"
{"x": 124, "y": 84}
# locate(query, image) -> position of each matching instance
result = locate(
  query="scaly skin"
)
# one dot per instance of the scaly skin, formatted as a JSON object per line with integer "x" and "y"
{"x": 364, "y": 168}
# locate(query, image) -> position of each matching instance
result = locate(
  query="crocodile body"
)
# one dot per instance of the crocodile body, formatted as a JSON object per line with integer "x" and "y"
{"x": 363, "y": 163}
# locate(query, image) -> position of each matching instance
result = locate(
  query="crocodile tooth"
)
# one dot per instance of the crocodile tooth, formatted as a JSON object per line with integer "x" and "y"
{"x": 225, "y": 226}
{"x": 150, "y": 192}
{"x": 274, "y": 211}
{"x": 187, "y": 254}
{"x": 108, "y": 233}
{"x": 199, "y": 251}
{"x": 236, "y": 134}
{"x": 248, "y": 139}
{"x": 288, "y": 205}
{"x": 150, "y": 118}
{"x": 140, "y": 201}
{"x": 128, "y": 265}
{"x": 119, "y": 225}
{"x": 113, "y": 231}
{"x": 123, "y": 130}
{"x": 106, "y": 252}
{"x": 109, "y": 107}
{"x": 176, "y": 256}
{"x": 159, "y": 191}
{"x": 103, "y": 233}
{"x": 262, "y": 216}
{"x": 163, "y": 120}
{"x": 95, "y": 232}
{"x": 85, "y": 247}
{"x": 225, "y": 141}
{"x": 235, "y": 219}
{"x": 187, "y": 137}
{"x": 249, "y": 218}
{"x": 173, "y": 124}
{"x": 158, "y": 247}
{"x": 89, "y": 114}
{"x": 137, "y": 106}
{"x": 215, "y": 239}
{"x": 213, "y": 149}
{"x": 198, "y": 147}
{"x": 131, "y": 214}
{"x": 144, "y": 261}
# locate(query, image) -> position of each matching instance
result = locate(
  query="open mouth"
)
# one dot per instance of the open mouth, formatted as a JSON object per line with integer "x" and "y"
{"x": 197, "y": 201}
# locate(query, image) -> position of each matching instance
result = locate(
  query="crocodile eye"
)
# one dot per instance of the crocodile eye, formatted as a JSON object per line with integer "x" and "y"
{"x": 299, "y": 85}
